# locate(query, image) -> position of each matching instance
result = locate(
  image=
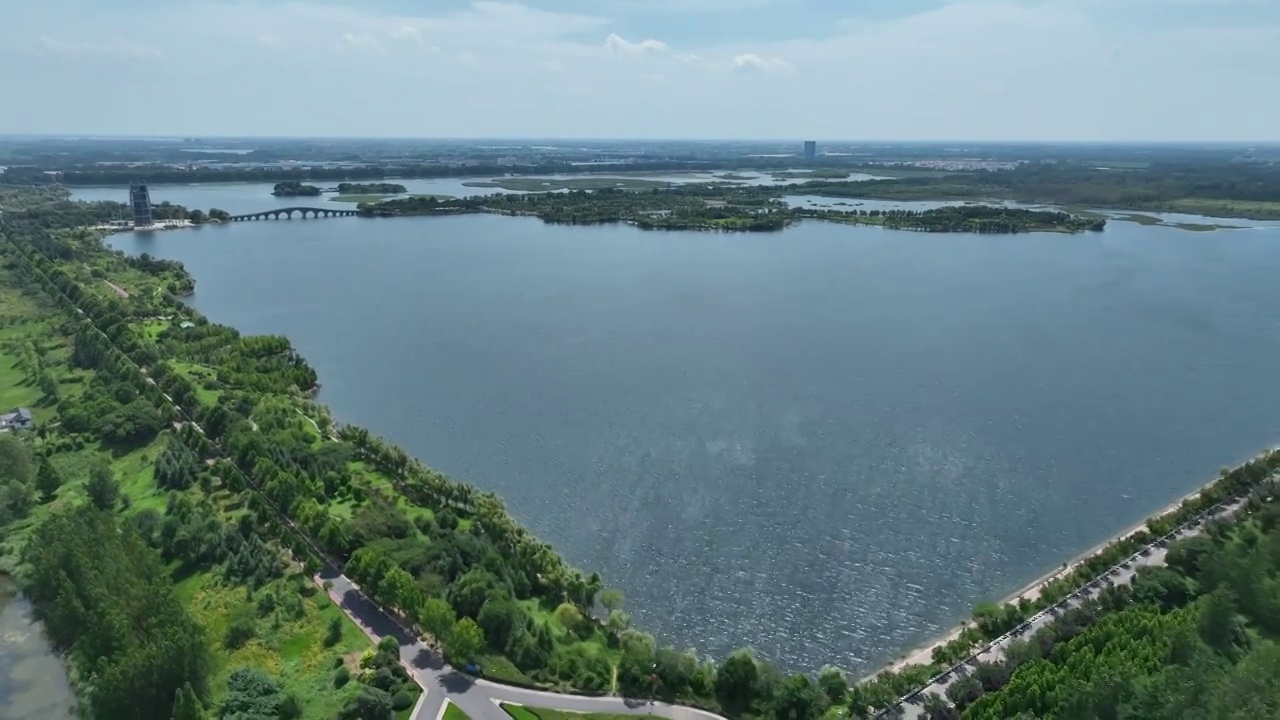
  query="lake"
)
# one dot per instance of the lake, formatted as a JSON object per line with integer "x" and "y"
{"x": 827, "y": 443}
{"x": 33, "y": 682}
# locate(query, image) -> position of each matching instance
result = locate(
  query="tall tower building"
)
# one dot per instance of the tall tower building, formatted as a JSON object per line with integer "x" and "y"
{"x": 810, "y": 150}
{"x": 140, "y": 199}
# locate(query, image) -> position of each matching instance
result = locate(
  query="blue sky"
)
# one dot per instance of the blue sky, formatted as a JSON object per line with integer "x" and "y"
{"x": 855, "y": 69}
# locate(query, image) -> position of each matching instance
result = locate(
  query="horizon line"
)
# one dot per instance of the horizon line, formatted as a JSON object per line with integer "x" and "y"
{"x": 595, "y": 139}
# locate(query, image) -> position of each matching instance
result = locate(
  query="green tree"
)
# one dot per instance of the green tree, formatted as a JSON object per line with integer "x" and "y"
{"x": 500, "y": 619}
{"x": 17, "y": 465}
{"x": 369, "y": 704}
{"x": 834, "y": 685}
{"x": 438, "y": 618}
{"x": 186, "y": 706}
{"x": 48, "y": 480}
{"x": 103, "y": 490}
{"x": 611, "y": 599}
{"x": 465, "y": 641}
{"x": 797, "y": 699}
{"x": 964, "y": 691}
{"x": 1216, "y": 623}
{"x": 737, "y": 680}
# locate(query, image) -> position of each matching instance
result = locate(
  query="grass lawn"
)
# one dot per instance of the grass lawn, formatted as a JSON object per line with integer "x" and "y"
{"x": 202, "y": 377}
{"x": 290, "y": 640}
{"x": 453, "y": 712}
{"x": 524, "y": 712}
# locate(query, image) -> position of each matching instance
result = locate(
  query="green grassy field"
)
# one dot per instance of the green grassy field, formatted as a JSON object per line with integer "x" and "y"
{"x": 453, "y": 712}
{"x": 290, "y": 638}
{"x": 1250, "y": 209}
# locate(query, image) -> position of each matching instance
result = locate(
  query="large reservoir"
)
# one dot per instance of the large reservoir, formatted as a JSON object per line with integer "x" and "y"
{"x": 827, "y": 443}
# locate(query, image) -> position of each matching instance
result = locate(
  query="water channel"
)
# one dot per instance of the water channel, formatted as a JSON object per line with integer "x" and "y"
{"x": 33, "y": 682}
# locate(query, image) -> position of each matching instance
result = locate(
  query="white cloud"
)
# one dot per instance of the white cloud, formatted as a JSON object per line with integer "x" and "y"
{"x": 998, "y": 69}
{"x": 623, "y": 46}
{"x": 408, "y": 33}
{"x": 750, "y": 62}
{"x": 118, "y": 48}
{"x": 362, "y": 40}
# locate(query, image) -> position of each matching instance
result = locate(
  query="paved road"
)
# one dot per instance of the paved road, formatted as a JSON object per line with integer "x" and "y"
{"x": 1123, "y": 574}
{"x": 478, "y": 698}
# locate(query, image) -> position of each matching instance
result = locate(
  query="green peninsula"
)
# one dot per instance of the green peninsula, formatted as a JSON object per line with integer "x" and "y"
{"x": 714, "y": 207}
{"x": 380, "y": 188}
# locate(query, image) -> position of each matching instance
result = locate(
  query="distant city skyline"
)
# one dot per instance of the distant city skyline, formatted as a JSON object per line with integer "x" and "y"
{"x": 887, "y": 70}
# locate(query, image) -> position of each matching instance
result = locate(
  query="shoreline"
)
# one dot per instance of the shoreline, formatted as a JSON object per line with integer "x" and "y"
{"x": 923, "y": 654}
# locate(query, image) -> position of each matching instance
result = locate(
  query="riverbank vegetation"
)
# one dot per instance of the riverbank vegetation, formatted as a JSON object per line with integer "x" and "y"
{"x": 1198, "y": 638}
{"x": 1226, "y": 190}
{"x": 706, "y": 207}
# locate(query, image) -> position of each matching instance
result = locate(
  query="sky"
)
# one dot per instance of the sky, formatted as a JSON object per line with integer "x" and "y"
{"x": 1085, "y": 70}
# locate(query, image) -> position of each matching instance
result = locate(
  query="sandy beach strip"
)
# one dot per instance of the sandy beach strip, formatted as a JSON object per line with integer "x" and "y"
{"x": 923, "y": 655}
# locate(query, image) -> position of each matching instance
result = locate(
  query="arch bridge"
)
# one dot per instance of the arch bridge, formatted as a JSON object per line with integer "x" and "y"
{"x": 287, "y": 213}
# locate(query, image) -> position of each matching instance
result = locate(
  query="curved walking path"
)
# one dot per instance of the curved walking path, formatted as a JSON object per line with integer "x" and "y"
{"x": 477, "y": 697}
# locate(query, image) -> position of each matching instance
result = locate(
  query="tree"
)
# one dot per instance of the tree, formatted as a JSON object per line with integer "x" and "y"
{"x": 48, "y": 480}
{"x": 936, "y": 708}
{"x": 437, "y": 617}
{"x": 611, "y": 599}
{"x": 833, "y": 684}
{"x": 797, "y": 699}
{"x": 17, "y": 478}
{"x": 251, "y": 695}
{"x": 465, "y": 641}
{"x": 17, "y": 465}
{"x": 103, "y": 490}
{"x": 736, "y": 681}
{"x": 370, "y": 704}
{"x": 186, "y": 706}
{"x": 500, "y": 619}
{"x": 1216, "y": 623}
{"x": 619, "y": 621}
{"x": 1161, "y": 586}
{"x": 964, "y": 691}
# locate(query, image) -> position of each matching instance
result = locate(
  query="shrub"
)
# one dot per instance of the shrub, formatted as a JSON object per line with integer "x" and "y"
{"x": 401, "y": 701}
{"x": 242, "y": 629}
{"x": 342, "y": 676}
